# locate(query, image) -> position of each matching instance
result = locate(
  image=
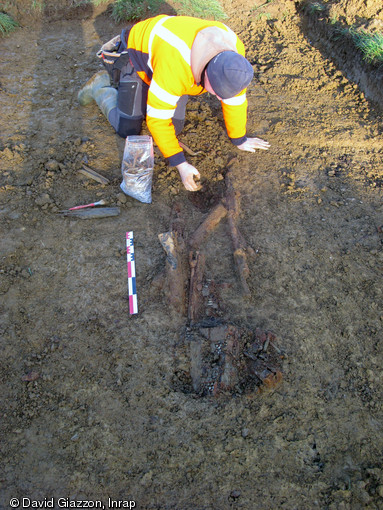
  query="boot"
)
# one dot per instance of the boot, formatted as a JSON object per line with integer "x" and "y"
{"x": 106, "y": 98}
{"x": 98, "y": 80}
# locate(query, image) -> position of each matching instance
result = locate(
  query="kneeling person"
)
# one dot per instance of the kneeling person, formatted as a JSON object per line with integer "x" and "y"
{"x": 171, "y": 58}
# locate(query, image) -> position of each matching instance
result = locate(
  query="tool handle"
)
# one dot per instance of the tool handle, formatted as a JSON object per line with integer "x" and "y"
{"x": 82, "y": 206}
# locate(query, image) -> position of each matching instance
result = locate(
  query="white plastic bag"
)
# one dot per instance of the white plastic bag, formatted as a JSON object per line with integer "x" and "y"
{"x": 137, "y": 168}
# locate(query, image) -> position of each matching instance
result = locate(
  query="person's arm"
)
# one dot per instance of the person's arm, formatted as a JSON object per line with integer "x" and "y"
{"x": 160, "y": 110}
{"x": 164, "y": 136}
{"x": 235, "y": 116}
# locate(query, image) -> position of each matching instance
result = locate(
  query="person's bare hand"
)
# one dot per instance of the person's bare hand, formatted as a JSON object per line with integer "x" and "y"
{"x": 254, "y": 143}
{"x": 187, "y": 173}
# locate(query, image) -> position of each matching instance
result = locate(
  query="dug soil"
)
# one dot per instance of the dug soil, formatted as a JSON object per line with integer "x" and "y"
{"x": 96, "y": 402}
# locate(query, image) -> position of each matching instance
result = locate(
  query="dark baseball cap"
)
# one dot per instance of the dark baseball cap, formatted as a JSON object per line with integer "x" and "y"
{"x": 229, "y": 73}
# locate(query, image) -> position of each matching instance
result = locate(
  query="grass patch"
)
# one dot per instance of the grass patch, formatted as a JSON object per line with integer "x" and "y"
{"x": 370, "y": 44}
{"x": 134, "y": 10}
{"x": 121, "y": 10}
{"x": 37, "y": 5}
{"x": 316, "y": 7}
{"x": 128, "y": 10}
{"x": 7, "y": 24}
{"x": 201, "y": 9}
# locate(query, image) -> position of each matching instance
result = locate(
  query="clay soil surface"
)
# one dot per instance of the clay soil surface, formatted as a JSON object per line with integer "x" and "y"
{"x": 105, "y": 414}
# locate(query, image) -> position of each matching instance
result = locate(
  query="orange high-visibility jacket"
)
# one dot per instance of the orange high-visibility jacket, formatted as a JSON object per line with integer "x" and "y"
{"x": 161, "y": 50}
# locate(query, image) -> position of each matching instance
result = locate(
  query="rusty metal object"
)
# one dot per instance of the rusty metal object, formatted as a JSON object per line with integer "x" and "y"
{"x": 188, "y": 150}
{"x": 207, "y": 226}
{"x": 176, "y": 272}
{"x": 196, "y": 304}
{"x": 88, "y": 214}
{"x": 240, "y": 248}
{"x": 215, "y": 357}
{"x": 92, "y": 174}
{"x": 226, "y": 359}
{"x": 263, "y": 359}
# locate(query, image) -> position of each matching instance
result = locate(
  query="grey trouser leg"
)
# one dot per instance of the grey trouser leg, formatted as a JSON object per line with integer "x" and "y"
{"x": 179, "y": 114}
